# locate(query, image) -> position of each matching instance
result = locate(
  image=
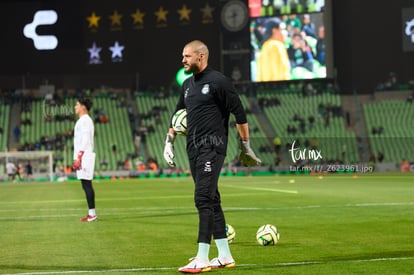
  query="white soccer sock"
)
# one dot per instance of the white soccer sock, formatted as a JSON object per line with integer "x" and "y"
{"x": 203, "y": 250}
{"x": 223, "y": 248}
{"x": 92, "y": 212}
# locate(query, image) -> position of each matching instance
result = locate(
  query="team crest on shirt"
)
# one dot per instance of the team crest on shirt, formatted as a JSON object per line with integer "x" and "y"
{"x": 206, "y": 89}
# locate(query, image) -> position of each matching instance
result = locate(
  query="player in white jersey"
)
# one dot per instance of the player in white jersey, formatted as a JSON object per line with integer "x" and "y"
{"x": 83, "y": 154}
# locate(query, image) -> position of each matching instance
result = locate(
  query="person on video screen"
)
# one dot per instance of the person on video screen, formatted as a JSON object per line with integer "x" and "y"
{"x": 273, "y": 62}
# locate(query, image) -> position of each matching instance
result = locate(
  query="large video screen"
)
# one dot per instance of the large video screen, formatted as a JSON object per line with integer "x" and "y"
{"x": 288, "y": 45}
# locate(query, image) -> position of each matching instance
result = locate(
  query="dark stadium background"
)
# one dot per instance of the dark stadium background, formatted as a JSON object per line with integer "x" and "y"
{"x": 367, "y": 41}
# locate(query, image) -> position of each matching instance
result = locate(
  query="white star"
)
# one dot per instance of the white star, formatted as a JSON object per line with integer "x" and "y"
{"x": 117, "y": 50}
{"x": 94, "y": 51}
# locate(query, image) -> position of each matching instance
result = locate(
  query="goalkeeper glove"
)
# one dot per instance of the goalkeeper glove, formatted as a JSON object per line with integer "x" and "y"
{"x": 77, "y": 163}
{"x": 169, "y": 150}
{"x": 247, "y": 156}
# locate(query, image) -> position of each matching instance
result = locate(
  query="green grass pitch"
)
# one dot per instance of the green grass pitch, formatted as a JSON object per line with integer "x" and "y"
{"x": 339, "y": 224}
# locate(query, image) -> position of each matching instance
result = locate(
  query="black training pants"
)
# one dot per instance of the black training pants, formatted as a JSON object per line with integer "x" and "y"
{"x": 89, "y": 193}
{"x": 205, "y": 169}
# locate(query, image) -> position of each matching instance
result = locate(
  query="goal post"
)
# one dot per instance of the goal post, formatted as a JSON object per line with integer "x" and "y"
{"x": 41, "y": 162}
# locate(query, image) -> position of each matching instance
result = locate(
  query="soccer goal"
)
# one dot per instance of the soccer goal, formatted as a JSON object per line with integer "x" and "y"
{"x": 40, "y": 161}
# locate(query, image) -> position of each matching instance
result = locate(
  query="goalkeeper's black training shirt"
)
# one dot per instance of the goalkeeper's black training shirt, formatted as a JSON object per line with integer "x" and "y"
{"x": 209, "y": 98}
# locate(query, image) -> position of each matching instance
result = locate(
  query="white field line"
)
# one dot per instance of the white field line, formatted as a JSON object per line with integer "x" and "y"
{"x": 138, "y": 211}
{"x": 164, "y": 210}
{"x": 101, "y": 199}
{"x": 143, "y": 269}
{"x": 264, "y": 189}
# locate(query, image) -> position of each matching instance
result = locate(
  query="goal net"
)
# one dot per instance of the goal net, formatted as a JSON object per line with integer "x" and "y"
{"x": 41, "y": 163}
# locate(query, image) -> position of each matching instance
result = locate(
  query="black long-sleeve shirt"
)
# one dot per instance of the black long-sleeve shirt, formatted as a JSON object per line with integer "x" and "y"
{"x": 209, "y": 98}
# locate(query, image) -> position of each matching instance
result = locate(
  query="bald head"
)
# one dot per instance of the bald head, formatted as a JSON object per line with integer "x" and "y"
{"x": 195, "y": 56}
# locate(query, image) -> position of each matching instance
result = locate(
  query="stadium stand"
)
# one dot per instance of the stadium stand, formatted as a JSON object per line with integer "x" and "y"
{"x": 4, "y": 124}
{"x": 283, "y": 113}
{"x": 115, "y": 132}
{"x": 4, "y": 128}
{"x": 154, "y": 114}
{"x": 289, "y": 115}
{"x": 260, "y": 141}
{"x": 50, "y": 127}
{"x": 390, "y": 129}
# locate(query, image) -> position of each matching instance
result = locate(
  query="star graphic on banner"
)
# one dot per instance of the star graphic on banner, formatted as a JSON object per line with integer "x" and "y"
{"x": 207, "y": 11}
{"x": 138, "y": 17}
{"x": 161, "y": 14}
{"x": 117, "y": 50}
{"x": 115, "y": 18}
{"x": 93, "y": 20}
{"x": 184, "y": 13}
{"x": 94, "y": 56}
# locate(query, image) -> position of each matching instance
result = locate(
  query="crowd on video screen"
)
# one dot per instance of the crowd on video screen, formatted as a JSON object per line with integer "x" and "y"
{"x": 288, "y": 47}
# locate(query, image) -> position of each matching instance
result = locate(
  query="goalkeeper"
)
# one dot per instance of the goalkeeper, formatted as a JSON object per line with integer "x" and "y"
{"x": 209, "y": 98}
{"x": 83, "y": 155}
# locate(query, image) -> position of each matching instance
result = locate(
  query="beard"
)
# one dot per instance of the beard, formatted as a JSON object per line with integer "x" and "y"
{"x": 192, "y": 68}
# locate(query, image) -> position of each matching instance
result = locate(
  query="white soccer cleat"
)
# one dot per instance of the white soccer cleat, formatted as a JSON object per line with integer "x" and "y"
{"x": 196, "y": 265}
{"x": 225, "y": 262}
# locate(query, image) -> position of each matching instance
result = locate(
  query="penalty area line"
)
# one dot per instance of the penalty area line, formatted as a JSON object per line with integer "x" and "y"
{"x": 238, "y": 265}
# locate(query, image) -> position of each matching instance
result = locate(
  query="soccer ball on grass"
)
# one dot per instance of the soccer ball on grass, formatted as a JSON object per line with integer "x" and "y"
{"x": 267, "y": 235}
{"x": 230, "y": 232}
